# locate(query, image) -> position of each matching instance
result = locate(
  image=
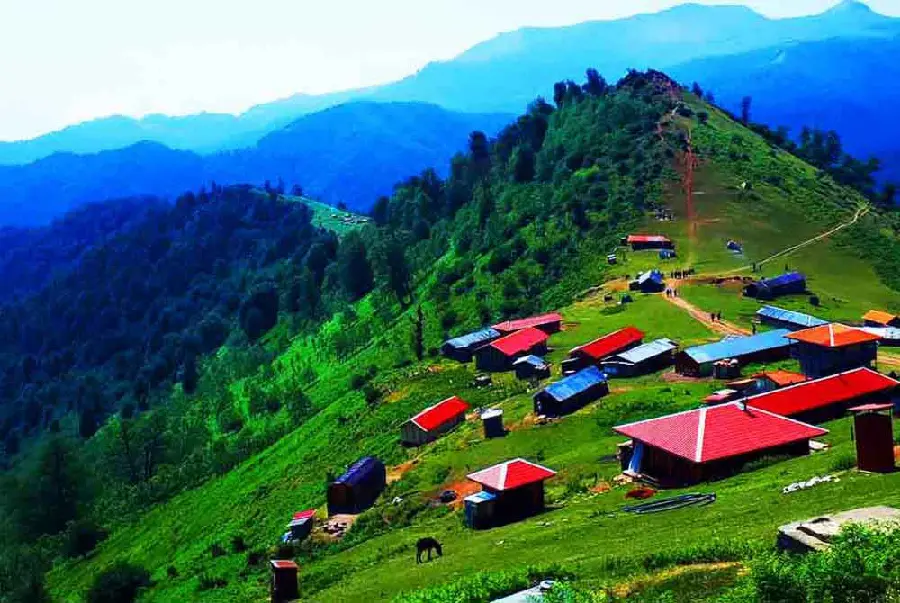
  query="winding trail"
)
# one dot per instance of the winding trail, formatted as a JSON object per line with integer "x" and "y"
{"x": 719, "y": 326}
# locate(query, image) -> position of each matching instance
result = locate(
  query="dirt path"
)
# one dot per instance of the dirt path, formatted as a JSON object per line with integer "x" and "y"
{"x": 719, "y": 326}
{"x": 691, "y": 162}
{"x": 861, "y": 211}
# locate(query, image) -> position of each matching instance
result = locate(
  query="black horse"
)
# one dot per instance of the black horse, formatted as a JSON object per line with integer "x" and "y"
{"x": 428, "y": 544}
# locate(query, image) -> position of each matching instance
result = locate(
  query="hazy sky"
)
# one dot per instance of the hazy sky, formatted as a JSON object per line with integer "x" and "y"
{"x": 65, "y": 61}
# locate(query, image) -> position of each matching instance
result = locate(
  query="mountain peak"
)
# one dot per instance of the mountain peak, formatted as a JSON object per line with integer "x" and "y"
{"x": 850, "y": 7}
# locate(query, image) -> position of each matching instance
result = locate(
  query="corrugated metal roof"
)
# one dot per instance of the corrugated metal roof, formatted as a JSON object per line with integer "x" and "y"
{"x": 520, "y": 341}
{"x": 886, "y": 333}
{"x": 879, "y": 317}
{"x": 719, "y": 432}
{"x": 799, "y": 319}
{"x": 575, "y": 384}
{"x": 788, "y": 278}
{"x": 610, "y": 344}
{"x": 735, "y": 347}
{"x": 482, "y": 336}
{"x": 436, "y": 415}
{"x": 820, "y": 393}
{"x": 359, "y": 470}
{"x": 511, "y": 474}
{"x": 647, "y": 351}
{"x": 535, "y": 361}
{"x": 524, "y": 323}
{"x": 833, "y": 335}
{"x": 875, "y": 407}
{"x": 647, "y": 239}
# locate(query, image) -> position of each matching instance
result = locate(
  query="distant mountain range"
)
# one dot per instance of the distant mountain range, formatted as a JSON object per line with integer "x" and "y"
{"x": 834, "y": 70}
{"x": 350, "y": 153}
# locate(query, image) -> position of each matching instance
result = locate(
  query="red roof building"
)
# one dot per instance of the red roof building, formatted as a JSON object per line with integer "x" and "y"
{"x": 827, "y": 398}
{"x": 608, "y": 345}
{"x": 833, "y": 348}
{"x": 549, "y": 323}
{"x": 511, "y": 491}
{"x": 500, "y": 354}
{"x": 304, "y": 515}
{"x": 710, "y": 442}
{"x": 638, "y": 241}
{"x": 434, "y": 421}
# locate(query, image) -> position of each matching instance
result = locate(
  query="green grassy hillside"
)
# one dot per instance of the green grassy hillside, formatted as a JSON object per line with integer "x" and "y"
{"x": 518, "y": 246}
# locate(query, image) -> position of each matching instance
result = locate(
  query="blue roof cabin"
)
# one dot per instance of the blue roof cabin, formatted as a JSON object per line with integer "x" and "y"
{"x": 651, "y": 281}
{"x": 571, "y": 393}
{"x": 763, "y": 347}
{"x": 648, "y": 358}
{"x": 769, "y": 288}
{"x": 358, "y": 488}
{"x": 531, "y": 367}
{"x": 787, "y": 319}
{"x": 463, "y": 348}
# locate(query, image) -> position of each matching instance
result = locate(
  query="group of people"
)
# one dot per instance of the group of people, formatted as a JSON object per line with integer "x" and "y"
{"x": 671, "y": 292}
{"x": 715, "y": 316}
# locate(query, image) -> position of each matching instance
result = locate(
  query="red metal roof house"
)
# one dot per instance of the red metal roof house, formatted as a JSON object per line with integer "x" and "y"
{"x": 511, "y": 491}
{"x": 499, "y": 355}
{"x": 710, "y": 442}
{"x": 827, "y": 398}
{"x": 434, "y": 421}
{"x": 594, "y": 352}
{"x": 833, "y": 348}
{"x": 548, "y": 323}
{"x": 639, "y": 242}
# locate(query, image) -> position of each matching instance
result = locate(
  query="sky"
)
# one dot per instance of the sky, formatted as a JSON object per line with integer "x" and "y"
{"x": 67, "y": 61}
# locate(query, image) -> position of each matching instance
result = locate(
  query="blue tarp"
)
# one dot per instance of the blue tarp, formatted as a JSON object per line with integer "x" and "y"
{"x": 646, "y": 351}
{"x": 799, "y": 319}
{"x": 575, "y": 384}
{"x": 735, "y": 347}
{"x": 466, "y": 341}
{"x": 651, "y": 275}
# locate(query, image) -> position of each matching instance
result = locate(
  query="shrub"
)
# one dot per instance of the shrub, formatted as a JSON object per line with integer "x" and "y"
{"x": 238, "y": 545}
{"x": 207, "y": 582}
{"x": 217, "y": 550}
{"x": 843, "y": 462}
{"x": 120, "y": 583}
{"x": 82, "y": 537}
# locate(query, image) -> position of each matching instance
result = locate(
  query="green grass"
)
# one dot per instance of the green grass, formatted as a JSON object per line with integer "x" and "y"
{"x": 329, "y": 217}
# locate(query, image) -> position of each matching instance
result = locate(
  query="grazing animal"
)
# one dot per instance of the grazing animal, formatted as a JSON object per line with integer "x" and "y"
{"x": 427, "y": 545}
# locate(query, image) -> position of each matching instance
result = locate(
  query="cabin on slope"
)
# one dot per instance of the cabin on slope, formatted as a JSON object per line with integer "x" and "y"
{"x": 787, "y": 319}
{"x": 301, "y": 524}
{"x": 763, "y": 347}
{"x": 596, "y": 351}
{"x": 434, "y": 422}
{"x": 710, "y": 442}
{"x": 571, "y": 393}
{"x": 651, "y": 281}
{"x": 510, "y": 491}
{"x": 548, "y": 323}
{"x": 879, "y": 319}
{"x": 641, "y": 360}
{"x": 791, "y": 283}
{"x": 833, "y": 348}
{"x": 358, "y": 488}
{"x": 531, "y": 367}
{"x": 828, "y": 398}
{"x": 639, "y": 242}
{"x": 500, "y": 354}
{"x": 463, "y": 348}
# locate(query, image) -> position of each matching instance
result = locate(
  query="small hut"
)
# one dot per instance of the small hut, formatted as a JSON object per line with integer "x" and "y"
{"x": 301, "y": 524}
{"x": 499, "y": 355}
{"x": 571, "y": 393}
{"x": 709, "y": 442}
{"x": 639, "y": 242}
{"x": 641, "y": 360}
{"x": 492, "y": 423}
{"x": 787, "y": 284}
{"x": 772, "y": 380}
{"x": 873, "y": 428}
{"x": 358, "y": 488}
{"x": 877, "y": 318}
{"x": 651, "y": 281}
{"x": 833, "y": 348}
{"x": 602, "y": 348}
{"x": 284, "y": 586}
{"x": 511, "y": 491}
{"x": 531, "y": 367}
{"x": 548, "y": 323}
{"x": 462, "y": 348}
{"x": 434, "y": 421}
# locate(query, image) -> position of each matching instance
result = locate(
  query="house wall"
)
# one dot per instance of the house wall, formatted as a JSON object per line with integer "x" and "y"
{"x": 817, "y": 361}
{"x": 546, "y": 404}
{"x": 874, "y": 433}
{"x": 518, "y": 504}
{"x": 413, "y": 435}
{"x": 463, "y": 355}
{"x": 344, "y": 498}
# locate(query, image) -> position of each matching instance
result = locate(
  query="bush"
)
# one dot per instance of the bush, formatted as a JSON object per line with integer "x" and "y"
{"x": 238, "y": 545}
{"x": 120, "y": 583}
{"x": 207, "y": 582}
{"x": 843, "y": 462}
{"x": 82, "y": 537}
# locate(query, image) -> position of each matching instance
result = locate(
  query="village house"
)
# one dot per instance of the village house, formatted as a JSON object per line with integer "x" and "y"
{"x": 596, "y": 351}
{"x": 571, "y": 393}
{"x": 833, "y": 348}
{"x": 772, "y": 380}
{"x": 639, "y": 242}
{"x": 463, "y": 348}
{"x": 548, "y": 323}
{"x": 301, "y": 524}
{"x": 434, "y": 422}
{"x": 651, "y": 281}
{"x": 780, "y": 318}
{"x": 500, "y": 354}
{"x": 877, "y": 318}
{"x": 787, "y": 284}
{"x": 827, "y": 398}
{"x": 358, "y": 488}
{"x": 531, "y": 367}
{"x": 510, "y": 491}
{"x": 641, "y": 360}
{"x": 709, "y": 442}
{"x": 763, "y": 347}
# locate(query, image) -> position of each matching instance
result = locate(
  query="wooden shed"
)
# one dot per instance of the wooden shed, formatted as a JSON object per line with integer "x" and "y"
{"x": 531, "y": 367}
{"x": 790, "y": 283}
{"x": 514, "y": 490}
{"x": 434, "y": 421}
{"x": 641, "y": 241}
{"x": 878, "y": 318}
{"x": 833, "y": 348}
{"x": 710, "y": 442}
{"x": 873, "y": 430}
{"x": 499, "y": 355}
{"x": 641, "y": 360}
{"x": 463, "y": 348}
{"x": 571, "y": 393}
{"x": 358, "y": 488}
{"x": 594, "y": 352}
{"x": 301, "y": 524}
{"x": 284, "y": 585}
